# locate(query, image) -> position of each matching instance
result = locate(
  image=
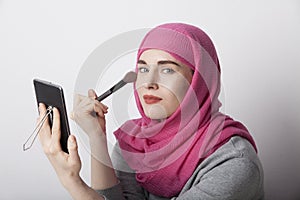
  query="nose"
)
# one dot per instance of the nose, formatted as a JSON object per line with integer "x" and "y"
{"x": 151, "y": 86}
{"x": 151, "y": 79}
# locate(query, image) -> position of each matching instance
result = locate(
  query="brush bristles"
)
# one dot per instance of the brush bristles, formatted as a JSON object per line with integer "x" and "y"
{"x": 129, "y": 77}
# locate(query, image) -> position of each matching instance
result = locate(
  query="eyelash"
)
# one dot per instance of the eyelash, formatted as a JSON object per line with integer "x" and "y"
{"x": 145, "y": 69}
{"x": 170, "y": 70}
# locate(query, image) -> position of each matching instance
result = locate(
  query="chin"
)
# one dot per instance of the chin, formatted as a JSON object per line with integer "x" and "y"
{"x": 156, "y": 112}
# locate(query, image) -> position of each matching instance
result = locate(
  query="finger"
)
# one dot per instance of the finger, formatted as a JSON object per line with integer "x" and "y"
{"x": 44, "y": 133}
{"x": 92, "y": 94}
{"x": 85, "y": 102}
{"x": 101, "y": 105}
{"x": 72, "y": 115}
{"x": 42, "y": 110}
{"x": 104, "y": 106}
{"x": 56, "y": 131}
{"x": 77, "y": 99}
{"x": 100, "y": 109}
{"x": 80, "y": 101}
{"x": 83, "y": 111}
{"x": 85, "y": 106}
{"x": 73, "y": 150}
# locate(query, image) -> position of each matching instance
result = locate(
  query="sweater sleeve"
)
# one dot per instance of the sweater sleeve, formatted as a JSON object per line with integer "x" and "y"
{"x": 128, "y": 188}
{"x": 112, "y": 193}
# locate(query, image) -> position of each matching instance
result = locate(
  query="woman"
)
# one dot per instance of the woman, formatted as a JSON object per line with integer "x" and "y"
{"x": 182, "y": 147}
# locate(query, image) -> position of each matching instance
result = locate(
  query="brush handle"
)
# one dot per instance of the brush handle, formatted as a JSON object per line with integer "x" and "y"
{"x": 114, "y": 88}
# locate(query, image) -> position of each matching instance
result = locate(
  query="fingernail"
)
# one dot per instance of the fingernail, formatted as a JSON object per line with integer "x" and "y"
{"x": 71, "y": 115}
{"x": 39, "y": 108}
{"x": 72, "y": 141}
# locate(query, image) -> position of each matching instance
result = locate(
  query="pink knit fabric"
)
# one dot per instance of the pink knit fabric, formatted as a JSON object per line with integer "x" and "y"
{"x": 165, "y": 154}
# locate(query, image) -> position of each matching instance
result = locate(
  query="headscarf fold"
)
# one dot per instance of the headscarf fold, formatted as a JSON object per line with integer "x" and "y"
{"x": 164, "y": 154}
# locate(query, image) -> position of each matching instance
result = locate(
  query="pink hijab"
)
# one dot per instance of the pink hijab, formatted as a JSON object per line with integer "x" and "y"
{"x": 165, "y": 154}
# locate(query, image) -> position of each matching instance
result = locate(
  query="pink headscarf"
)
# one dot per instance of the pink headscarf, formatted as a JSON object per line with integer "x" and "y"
{"x": 165, "y": 154}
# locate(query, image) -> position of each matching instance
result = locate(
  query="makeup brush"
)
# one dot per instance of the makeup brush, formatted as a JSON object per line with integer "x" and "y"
{"x": 128, "y": 78}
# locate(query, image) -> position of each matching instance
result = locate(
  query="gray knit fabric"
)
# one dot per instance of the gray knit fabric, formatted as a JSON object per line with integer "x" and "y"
{"x": 232, "y": 172}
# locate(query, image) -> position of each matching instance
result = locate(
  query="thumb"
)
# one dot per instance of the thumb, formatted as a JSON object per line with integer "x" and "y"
{"x": 73, "y": 150}
{"x": 72, "y": 115}
{"x": 92, "y": 94}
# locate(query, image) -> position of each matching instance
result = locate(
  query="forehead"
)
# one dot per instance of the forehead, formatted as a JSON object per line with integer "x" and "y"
{"x": 155, "y": 55}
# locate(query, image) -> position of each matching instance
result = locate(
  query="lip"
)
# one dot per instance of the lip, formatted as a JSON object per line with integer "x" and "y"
{"x": 151, "y": 99}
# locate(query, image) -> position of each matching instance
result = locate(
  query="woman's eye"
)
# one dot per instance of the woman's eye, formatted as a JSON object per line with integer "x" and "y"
{"x": 168, "y": 71}
{"x": 143, "y": 70}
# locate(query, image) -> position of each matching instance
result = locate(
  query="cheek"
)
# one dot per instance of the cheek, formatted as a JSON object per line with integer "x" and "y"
{"x": 177, "y": 89}
{"x": 140, "y": 93}
{"x": 171, "y": 104}
{"x": 138, "y": 82}
{"x": 177, "y": 83}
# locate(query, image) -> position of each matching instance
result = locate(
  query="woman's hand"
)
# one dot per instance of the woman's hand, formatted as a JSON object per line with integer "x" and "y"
{"x": 66, "y": 166}
{"x": 89, "y": 114}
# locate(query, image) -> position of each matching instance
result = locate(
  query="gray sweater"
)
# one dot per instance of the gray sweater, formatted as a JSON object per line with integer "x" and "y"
{"x": 232, "y": 172}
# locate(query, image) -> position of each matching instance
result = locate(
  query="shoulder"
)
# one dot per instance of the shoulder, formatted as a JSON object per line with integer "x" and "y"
{"x": 233, "y": 171}
{"x": 236, "y": 148}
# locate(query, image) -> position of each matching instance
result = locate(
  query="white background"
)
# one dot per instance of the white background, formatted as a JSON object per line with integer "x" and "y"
{"x": 257, "y": 42}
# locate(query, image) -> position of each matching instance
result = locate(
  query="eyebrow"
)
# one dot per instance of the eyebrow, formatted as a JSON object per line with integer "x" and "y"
{"x": 161, "y": 62}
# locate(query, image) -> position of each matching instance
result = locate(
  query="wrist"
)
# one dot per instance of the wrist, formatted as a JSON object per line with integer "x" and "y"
{"x": 78, "y": 189}
{"x": 98, "y": 140}
{"x": 96, "y": 132}
{"x": 72, "y": 182}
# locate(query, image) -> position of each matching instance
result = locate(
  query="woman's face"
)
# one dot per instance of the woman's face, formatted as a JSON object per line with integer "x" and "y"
{"x": 161, "y": 84}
